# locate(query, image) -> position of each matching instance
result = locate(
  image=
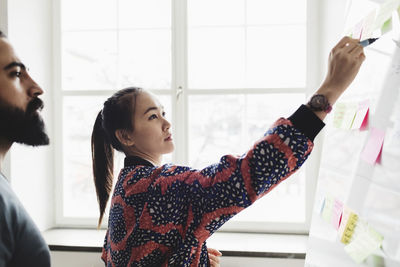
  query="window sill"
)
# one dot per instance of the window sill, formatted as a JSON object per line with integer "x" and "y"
{"x": 286, "y": 246}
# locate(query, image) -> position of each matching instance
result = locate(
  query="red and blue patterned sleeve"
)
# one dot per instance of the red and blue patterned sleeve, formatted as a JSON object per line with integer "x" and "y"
{"x": 209, "y": 197}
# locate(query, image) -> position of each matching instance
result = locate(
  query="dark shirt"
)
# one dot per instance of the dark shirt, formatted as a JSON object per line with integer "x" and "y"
{"x": 21, "y": 243}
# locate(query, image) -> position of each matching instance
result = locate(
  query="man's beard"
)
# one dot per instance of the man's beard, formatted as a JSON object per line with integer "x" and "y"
{"x": 23, "y": 127}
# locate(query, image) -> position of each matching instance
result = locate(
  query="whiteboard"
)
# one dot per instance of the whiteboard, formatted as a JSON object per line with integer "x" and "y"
{"x": 372, "y": 191}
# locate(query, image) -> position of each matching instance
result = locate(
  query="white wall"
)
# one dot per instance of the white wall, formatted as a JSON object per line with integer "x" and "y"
{"x": 31, "y": 169}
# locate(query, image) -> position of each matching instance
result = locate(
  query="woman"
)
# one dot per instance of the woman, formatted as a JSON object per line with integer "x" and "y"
{"x": 162, "y": 215}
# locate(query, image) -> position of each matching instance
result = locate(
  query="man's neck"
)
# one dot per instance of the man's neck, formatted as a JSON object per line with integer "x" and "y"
{"x": 5, "y": 146}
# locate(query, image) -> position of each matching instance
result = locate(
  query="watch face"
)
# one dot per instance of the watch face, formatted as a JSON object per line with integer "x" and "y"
{"x": 318, "y": 102}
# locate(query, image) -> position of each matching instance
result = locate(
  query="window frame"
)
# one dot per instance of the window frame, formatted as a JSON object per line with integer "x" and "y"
{"x": 180, "y": 93}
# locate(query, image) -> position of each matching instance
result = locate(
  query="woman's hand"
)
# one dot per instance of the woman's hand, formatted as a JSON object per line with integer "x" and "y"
{"x": 214, "y": 255}
{"x": 345, "y": 61}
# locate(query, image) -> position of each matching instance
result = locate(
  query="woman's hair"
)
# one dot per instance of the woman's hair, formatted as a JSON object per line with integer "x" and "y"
{"x": 117, "y": 113}
{"x": 2, "y": 34}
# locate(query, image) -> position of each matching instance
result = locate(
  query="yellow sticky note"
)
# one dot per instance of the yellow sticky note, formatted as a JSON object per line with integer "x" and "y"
{"x": 366, "y": 241}
{"x": 349, "y": 229}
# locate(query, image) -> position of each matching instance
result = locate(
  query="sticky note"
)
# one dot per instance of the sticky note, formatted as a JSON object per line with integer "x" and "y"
{"x": 398, "y": 11}
{"x": 357, "y": 30}
{"x": 345, "y": 218}
{"x": 361, "y": 118}
{"x": 385, "y": 13}
{"x": 344, "y": 115}
{"x": 373, "y": 148}
{"x": 365, "y": 242}
{"x": 349, "y": 228}
{"x": 340, "y": 109}
{"x": 322, "y": 206}
{"x": 328, "y": 208}
{"x": 349, "y": 115}
{"x": 337, "y": 213}
{"x": 386, "y": 27}
{"x": 368, "y": 25}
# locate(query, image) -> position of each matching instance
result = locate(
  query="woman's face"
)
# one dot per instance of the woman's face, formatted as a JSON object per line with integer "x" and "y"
{"x": 151, "y": 134}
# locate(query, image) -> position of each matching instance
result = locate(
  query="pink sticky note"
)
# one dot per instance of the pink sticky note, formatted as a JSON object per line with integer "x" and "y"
{"x": 337, "y": 213}
{"x": 361, "y": 118}
{"x": 373, "y": 147}
{"x": 357, "y": 30}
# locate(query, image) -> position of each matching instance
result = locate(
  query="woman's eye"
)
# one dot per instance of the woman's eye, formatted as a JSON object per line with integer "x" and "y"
{"x": 16, "y": 74}
{"x": 154, "y": 116}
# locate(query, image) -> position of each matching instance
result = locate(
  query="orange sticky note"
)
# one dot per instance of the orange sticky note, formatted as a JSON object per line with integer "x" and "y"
{"x": 373, "y": 147}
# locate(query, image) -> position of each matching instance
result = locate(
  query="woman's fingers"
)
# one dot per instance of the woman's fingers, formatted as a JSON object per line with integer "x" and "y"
{"x": 214, "y": 260}
{"x": 213, "y": 255}
{"x": 214, "y": 251}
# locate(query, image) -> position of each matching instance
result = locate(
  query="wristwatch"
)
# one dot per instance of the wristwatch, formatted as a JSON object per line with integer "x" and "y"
{"x": 319, "y": 103}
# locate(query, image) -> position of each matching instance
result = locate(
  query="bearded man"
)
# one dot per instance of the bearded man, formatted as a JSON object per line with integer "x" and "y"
{"x": 21, "y": 243}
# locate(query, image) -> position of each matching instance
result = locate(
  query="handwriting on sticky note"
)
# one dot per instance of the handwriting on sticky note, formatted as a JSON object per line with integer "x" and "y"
{"x": 349, "y": 228}
{"x": 344, "y": 115}
{"x": 366, "y": 241}
{"x": 374, "y": 146}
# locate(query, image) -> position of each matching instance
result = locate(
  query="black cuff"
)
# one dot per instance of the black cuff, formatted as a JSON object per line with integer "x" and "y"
{"x": 307, "y": 122}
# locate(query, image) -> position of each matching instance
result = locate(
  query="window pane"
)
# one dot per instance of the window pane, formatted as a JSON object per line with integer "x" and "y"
{"x": 285, "y": 203}
{"x": 246, "y": 44}
{"x": 274, "y": 59}
{"x": 230, "y": 124}
{"x": 88, "y": 14}
{"x": 216, "y": 58}
{"x": 89, "y": 60}
{"x": 145, "y": 58}
{"x": 144, "y": 14}
{"x": 261, "y": 12}
{"x": 215, "y": 12}
{"x": 79, "y": 114}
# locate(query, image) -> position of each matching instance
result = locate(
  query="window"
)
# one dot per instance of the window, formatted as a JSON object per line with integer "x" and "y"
{"x": 224, "y": 69}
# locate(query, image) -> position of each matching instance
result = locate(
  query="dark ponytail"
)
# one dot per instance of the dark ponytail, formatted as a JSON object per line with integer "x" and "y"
{"x": 103, "y": 164}
{"x": 117, "y": 113}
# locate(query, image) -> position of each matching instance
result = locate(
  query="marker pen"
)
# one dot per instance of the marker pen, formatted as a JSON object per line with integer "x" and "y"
{"x": 368, "y": 41}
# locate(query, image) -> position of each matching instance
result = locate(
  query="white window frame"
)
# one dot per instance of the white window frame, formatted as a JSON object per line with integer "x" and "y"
{"x": 179, "y": 94}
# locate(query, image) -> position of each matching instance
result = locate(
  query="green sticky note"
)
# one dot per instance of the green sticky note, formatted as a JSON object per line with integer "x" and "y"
{"x": 366, "y": 241}
{"x": 385, "y": 12}
{"x": 398, "y": 11}
{"x": 328, "y": 209}
{"x": 340, "y": 110}
{"x": 387, "y": 26}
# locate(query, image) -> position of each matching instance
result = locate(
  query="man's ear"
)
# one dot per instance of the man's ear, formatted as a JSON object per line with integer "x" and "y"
{"x": 124, "y": 137}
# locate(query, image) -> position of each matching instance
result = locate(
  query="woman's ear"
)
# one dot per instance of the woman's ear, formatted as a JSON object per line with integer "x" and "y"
{"x": 124, "y": 137}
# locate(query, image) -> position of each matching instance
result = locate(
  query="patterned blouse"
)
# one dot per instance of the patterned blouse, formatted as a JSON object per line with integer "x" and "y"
{"x": 163, "y": 215}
